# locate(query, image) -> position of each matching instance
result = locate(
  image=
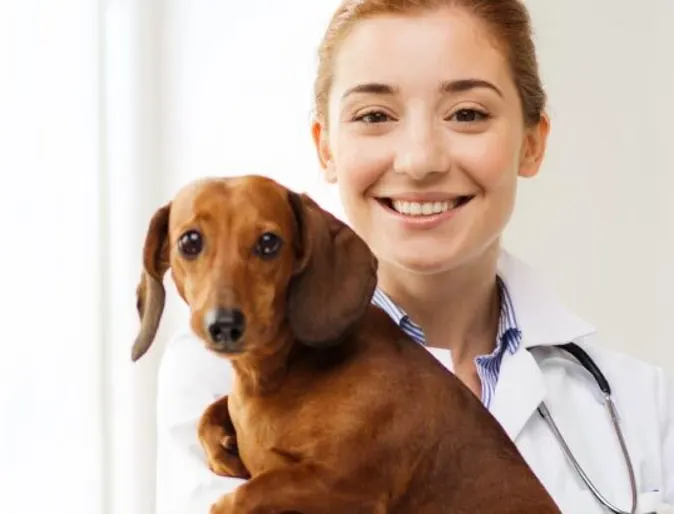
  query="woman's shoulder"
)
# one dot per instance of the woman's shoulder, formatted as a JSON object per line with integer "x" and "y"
{"x": 631, "y": 375}
{"x": 546, "y": 320}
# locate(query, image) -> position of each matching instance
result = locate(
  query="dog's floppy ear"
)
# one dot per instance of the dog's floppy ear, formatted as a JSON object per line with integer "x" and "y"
{"x": 335, "y": 278}
{"x": 150, "y": 293}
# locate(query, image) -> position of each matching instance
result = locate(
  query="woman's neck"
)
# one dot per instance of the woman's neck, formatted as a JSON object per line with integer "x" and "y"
{"x": 458, "y": 309}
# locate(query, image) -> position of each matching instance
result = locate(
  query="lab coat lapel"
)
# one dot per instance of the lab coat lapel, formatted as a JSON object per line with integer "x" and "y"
{"x": 520, "y": 390}
{"x": 541, "y": 317}
{"x": 543, "y": 321}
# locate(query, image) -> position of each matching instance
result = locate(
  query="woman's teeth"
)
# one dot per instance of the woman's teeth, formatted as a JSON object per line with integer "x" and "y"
{"x": 423, "y": 208}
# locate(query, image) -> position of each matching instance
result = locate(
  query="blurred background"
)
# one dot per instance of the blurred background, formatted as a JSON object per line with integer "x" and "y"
{"x": 108, "y": 106}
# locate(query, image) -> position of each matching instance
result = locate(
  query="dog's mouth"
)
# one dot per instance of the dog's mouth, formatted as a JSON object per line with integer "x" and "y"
{"x": 227, "y": 348}
{"x": 424, "y": 208}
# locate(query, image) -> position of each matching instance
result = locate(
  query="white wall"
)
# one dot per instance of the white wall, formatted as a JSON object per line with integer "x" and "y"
{"x": 598, "y": 219}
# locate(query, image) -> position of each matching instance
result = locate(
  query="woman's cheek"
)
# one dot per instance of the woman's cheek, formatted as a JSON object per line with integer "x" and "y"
{"x": 489, "y": 159}
{"x": 360, "y": 163}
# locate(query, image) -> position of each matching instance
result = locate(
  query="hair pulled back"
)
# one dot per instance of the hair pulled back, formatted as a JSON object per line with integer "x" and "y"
{"x": 507, "y": 20}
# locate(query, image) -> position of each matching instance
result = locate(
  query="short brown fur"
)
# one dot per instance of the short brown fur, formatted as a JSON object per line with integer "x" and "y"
{"x": 334, "y": 409}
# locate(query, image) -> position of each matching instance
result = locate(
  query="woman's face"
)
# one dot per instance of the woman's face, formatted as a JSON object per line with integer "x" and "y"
{"x": 425, "y": 138}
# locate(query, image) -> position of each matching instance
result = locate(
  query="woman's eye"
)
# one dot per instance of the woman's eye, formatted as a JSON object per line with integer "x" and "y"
{"x": 469, "y": 116}
{"x": 374, "y": 117}
{"x": 268, "y": 245}
{"x": 190, "y": 244}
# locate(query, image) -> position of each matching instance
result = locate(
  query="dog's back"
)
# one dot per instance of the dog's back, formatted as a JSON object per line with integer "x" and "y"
{"x": 470, "y": 464}
{"x": 424, "y": 433}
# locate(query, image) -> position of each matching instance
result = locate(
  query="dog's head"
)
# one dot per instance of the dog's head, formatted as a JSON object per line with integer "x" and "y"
{"x": 251, "y": 258}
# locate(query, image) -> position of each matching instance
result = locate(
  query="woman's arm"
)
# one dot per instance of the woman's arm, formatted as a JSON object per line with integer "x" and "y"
{"x": 190, "y": 379}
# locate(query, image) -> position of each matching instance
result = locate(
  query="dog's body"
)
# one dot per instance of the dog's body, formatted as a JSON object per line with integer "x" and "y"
{"x": 381, "y": 428}
{"x": 334, "y": 409}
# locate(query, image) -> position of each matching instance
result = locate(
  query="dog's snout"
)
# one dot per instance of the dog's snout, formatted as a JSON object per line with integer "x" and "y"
{"x": 225, "y": 326}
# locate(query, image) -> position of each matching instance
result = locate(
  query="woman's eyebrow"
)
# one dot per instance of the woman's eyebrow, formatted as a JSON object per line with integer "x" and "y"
{"x": 447, "y": 86}
{"x": 460, "y": 86}
{"x": 376, "y": 88}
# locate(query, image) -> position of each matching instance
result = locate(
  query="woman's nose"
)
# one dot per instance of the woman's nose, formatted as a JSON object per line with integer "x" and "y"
{"x": 421, "y": 151}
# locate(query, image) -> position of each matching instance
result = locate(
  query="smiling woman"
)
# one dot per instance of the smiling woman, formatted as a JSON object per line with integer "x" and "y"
{"x": 443, "y": 98}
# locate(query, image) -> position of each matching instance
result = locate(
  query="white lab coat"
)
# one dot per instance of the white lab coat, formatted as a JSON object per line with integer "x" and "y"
{"x": 191, "y": 378}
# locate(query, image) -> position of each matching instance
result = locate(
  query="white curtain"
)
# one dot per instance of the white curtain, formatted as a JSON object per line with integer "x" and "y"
{"x": 80, "y": 171}
{"x": 52, "y": 419}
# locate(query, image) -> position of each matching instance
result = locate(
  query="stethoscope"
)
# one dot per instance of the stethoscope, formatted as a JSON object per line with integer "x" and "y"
{"x": 586, "y": 362}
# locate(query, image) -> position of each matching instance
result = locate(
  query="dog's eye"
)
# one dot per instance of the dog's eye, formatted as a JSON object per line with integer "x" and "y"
{"x": 268, "y": 245}
{"x": 190, "y": 244}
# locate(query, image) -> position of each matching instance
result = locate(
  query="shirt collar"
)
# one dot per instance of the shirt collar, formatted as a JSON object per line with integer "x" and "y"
{"x": 508, "y": 336}
{"x": 541, "y": 319}
{"x": 508, "y": 330}
{"x": 383, "y": 301}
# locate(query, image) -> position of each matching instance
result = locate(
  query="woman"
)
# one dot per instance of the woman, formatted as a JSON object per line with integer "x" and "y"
{"x": 427, "y": 113}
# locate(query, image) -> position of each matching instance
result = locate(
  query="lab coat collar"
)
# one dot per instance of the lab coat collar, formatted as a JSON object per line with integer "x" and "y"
{"x": 543, "y": 321}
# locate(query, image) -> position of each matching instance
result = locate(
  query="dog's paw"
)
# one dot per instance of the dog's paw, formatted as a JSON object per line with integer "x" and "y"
{"x": 222, "y": 452}
{"x": 225, "y": 462}
{"x": 218, "y": 439}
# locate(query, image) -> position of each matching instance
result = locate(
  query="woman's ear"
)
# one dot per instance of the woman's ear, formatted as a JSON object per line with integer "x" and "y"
{"x": 533, "y": 147}
{"x": 319, "y": 135}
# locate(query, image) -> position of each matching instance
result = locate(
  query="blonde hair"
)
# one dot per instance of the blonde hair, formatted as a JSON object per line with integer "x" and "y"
{"x": 508, "y": 21}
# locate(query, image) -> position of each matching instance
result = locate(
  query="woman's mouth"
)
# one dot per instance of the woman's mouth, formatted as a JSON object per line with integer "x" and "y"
{"x": 424, "y": 208}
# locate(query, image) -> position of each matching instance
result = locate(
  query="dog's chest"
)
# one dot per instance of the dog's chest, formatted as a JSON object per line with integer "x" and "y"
{"x": 268, "y": 436}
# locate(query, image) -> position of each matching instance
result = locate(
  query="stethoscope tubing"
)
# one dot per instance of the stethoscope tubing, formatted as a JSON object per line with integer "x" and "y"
{"x": 590, "y": 366}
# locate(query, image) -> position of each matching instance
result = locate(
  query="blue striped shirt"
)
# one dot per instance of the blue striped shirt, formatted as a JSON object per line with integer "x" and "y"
{"x": 508, "y": 338}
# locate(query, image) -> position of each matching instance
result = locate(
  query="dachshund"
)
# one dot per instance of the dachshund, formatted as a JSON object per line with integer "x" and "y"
{"x": 333, "y": 410}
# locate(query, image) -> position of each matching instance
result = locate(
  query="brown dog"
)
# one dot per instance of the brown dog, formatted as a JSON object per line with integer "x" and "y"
{"x": 334, "y": 410}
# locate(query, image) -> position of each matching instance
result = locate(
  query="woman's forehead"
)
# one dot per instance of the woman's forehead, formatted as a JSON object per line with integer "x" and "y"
{"x": 419, "y": 51}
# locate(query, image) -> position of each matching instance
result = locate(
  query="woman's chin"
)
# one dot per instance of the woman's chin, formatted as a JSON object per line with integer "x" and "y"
{"x": 421, "y": 262}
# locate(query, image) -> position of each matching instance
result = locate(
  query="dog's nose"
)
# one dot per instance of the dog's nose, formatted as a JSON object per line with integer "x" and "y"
{"x": 225, "y": 325}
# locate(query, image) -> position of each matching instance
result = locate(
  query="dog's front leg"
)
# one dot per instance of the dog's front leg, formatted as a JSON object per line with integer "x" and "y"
{"x": 218, "y": 439}
{"x": 297, "y": 489}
